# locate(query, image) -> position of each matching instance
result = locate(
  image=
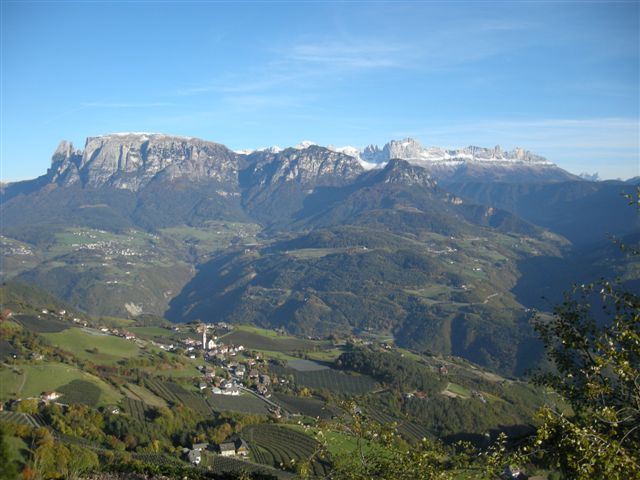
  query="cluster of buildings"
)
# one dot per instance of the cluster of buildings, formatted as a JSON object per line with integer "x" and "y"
{"x": 107, "y": 247}
{"x": 118, "y": 333}
{"x": 13, "y": 249}
{"x": 238, "y": 374}
{"x": 234, "y": 447}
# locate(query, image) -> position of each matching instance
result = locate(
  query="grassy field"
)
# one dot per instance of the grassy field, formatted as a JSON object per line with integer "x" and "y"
{"x": 312, "y": 253}
{"x": 35, "y": 379}
{"x": 181, "y": 373}
{"x": 110, "y": 349}
{"x": 157, "y": 333}
{"x": 256, "y": 339}
{"x": 458, "y": 390}
{"x": 326, "y": 355}
{"x": 259, "y": 331}
{"x": 338, "y": 443}
{"x": 116, "y": 322}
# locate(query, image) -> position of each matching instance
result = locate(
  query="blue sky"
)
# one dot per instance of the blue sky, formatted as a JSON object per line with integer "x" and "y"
{"x": 560, "y": 79}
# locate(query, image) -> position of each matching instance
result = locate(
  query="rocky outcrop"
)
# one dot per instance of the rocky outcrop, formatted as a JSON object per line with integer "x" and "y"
{"x": 312, "y": 165}
{"x": 130, "y": 161}
{"x": 65, "y": 164}
{"x": 401, "y": 172}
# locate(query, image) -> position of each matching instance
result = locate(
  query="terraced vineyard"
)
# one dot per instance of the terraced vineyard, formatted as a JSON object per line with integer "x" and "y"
{"x": 174, "y": 393}
{"x": 379, "y": 417}
{"x": 413, "y": 432}
{"x": 135, "y": 408}
{"x": 311, "y": 407}
{"x": 80, "y": 391}
{"x": 161, "y": 389}
{"x": 329, "y": 379}
{"x": 44, "y": 324}
{"x": 245, "y": 403}
{"x": 20, "y": 419}
{"x": 279, "y": 446}
{"x": 157, "y": 459}
{"x": 225, "y": 465}
{"x": 409, "y": 430}
{"x": 195, "y": 403}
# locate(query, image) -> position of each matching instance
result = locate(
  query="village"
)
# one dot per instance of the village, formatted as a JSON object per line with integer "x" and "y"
{"x": 228, "y": 369}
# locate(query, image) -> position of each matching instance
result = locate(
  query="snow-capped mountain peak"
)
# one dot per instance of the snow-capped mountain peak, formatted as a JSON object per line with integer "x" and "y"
{"x": 414, "y": 152}
{"x": 305, "y": 144}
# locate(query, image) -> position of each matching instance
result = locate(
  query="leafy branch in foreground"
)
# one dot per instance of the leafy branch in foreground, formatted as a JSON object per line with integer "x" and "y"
{"x": 380, "y": 452}
{"x": 597, "y": 358}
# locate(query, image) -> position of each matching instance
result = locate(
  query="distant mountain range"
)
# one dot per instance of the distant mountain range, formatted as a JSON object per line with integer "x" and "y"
{"x": 441, "y": 249}
{"x": 130, "y": 161}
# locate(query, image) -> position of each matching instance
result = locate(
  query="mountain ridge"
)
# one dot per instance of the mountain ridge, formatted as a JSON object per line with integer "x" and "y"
{"x": 132, "y": 160}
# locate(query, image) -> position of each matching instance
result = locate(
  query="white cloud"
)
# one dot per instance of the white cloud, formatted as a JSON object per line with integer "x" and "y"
{"x": 364, "y": 53}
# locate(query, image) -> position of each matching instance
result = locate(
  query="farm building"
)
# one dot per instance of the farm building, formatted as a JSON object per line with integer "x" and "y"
{"x": 194, "y": 456}
{"x": 50, "y": 396}
{"x": 241, "y": 447}
{"x": 227, "y": 449}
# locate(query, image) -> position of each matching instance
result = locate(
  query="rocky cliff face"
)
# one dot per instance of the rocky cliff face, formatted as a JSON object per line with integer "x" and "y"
{"x": 312, "y": 165}
{"x": 131, "y": 161}
{"x": 411, "y": 150}
{"x": 65, "y": 164}
{"x": 470, "y": 163}
{"x": 401, "y": 172}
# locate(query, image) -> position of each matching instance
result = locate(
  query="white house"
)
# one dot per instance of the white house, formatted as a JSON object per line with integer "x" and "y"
{"x": 50, "y": 396}
{"x": 227, "y": 449}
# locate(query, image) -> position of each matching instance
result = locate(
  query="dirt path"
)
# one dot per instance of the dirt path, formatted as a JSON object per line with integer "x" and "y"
{"x": 24, "y": 380}
{"x": 486, "y": 300}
